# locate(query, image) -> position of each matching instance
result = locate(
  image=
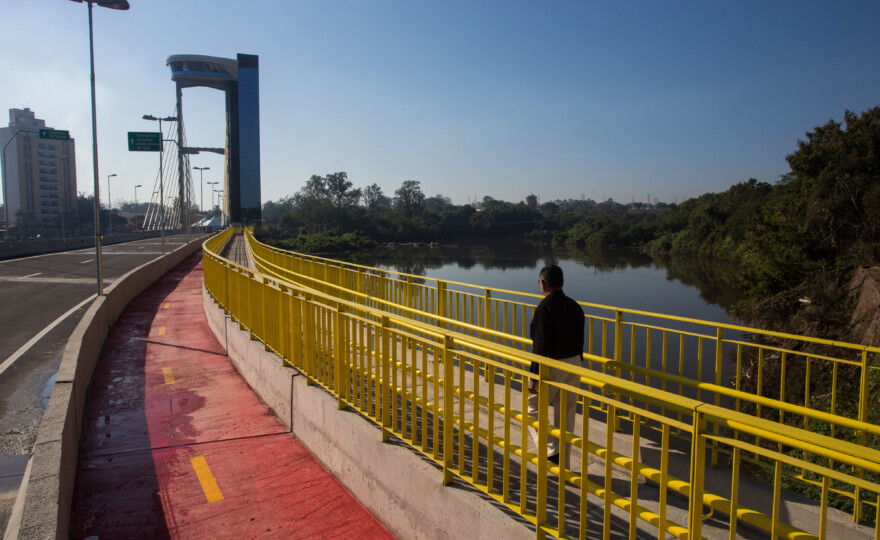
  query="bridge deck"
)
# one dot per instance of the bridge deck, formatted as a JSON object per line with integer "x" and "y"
{"x": 175, "y": 444}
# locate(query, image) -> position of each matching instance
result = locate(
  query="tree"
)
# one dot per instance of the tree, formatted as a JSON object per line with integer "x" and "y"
{"x": 342, "y": 197}
{"x": 410, "y": 198}
{"x": 274, "y": 210}
{"x": 312, "y": 204}
{"x": 438, "y": 203}
{"x": 532, "y": 201}
{"x": 374, "y": 199}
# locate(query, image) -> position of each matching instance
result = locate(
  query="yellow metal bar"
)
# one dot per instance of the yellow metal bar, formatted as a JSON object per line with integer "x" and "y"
{"x": 448, "y": 393}
{"x": 611, "y": 419}
{"x": 384, "y": 390}
{"x": 697, "y": 476}
{"x": 543, "y": 405}
{"x": 734, "y": 491}
{"x": 634, "y": 476}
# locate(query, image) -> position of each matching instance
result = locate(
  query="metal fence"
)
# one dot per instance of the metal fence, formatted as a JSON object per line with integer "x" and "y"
{"x": 441, "y": 365}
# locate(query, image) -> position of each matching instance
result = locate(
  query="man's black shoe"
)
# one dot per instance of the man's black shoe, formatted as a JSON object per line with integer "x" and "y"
{"x": 554, "y": 459}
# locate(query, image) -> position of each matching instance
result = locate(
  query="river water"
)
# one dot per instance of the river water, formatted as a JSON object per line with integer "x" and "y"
{"x": 625, "y": 278}
{"x": 628, "y": 279}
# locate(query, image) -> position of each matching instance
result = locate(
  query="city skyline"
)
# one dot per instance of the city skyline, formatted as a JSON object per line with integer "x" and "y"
{"x": 504, "y": 99}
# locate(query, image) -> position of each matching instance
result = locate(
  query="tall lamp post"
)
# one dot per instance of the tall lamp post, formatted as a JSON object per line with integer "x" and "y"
{"x": 212, "y": 194}
{"x": 161, "y": 175}
{"x": 220, "y": 202}
{"x": 136, "y": 201}
{"x": 5, "y": 197}
{"x": 109, "y": 205}
{"x": 112, "y": 4}
{"x": 202, "y": 187}
{"x": 61, "y": 192}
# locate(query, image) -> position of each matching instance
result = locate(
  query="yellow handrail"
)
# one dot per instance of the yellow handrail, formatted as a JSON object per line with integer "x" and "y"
{"x": 430, "y": 377}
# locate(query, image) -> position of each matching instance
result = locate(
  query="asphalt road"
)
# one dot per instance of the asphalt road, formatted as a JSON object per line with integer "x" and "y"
{"x": 42, "y": 299}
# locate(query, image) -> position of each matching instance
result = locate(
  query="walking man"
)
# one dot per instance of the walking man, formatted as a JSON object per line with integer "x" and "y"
{"x": 557, "y": 332}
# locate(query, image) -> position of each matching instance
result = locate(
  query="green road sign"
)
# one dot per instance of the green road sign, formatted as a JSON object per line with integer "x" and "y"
{"x": 57, "y": 134}
{"x": 144, "y": 141}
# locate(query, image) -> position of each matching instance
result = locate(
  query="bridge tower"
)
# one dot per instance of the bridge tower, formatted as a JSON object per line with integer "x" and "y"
{"x": 239, "y": 79}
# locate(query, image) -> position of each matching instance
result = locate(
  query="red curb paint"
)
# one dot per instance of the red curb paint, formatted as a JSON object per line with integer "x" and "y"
{"x": 135, "y": 477}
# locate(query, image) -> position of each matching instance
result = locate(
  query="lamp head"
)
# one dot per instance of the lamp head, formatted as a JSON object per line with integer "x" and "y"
{"x": 139, "y": 185}
{"x": 121, "y": 5}
{"x": 111, "y": 175}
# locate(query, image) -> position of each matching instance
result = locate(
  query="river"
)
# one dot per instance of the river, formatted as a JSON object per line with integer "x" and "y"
{"x": 622, "y": 278}
{"x": 628, "y": 279}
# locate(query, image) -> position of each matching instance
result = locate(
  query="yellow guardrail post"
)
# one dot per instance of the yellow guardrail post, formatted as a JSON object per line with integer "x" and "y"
{"x": 719, "y": 358}
{"x": 384, "y": 384}
{"x": 309, "y": 340}
{"x": 543, "y": 405}
{"x": 698, "y": 472}
{"x": 264, "y": 324}
{"x": 341, "y": 359}
{"x": 863, "y": 417}
{"x": 618, "y": 358}
{"x": 448, "y": 396}
{"x": 295, "y": 331}
{"x": 487, "y": 311}
{"x": 441, "y": 301}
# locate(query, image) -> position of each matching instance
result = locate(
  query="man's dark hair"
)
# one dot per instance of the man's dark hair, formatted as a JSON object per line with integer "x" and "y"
{"x": 551, "y": 276}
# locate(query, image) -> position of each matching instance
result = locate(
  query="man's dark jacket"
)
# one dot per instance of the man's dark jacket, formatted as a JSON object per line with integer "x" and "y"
{"x": 557, "y": 328}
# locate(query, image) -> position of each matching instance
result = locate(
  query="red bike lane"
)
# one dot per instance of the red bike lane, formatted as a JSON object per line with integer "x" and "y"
{"x": 176, "y": 445}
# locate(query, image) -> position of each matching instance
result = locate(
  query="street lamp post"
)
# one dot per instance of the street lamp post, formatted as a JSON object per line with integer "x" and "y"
{"x": 61, "y": 199}
{"x": 112, "y": 4}
{"x": 202, "y": 187}
{"x": 109, "y": 205}
{"x": 161, "y": 173}
{"x": 212, "y": 195}
{"x": 5, "y": 166}
{"x": 136, "y": 201}
{"x": 220, "y": 202}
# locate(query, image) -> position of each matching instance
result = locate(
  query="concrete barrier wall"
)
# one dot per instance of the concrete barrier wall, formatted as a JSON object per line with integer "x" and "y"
{"x": 43, "y": 505}
{"x": 9, "y": 250}
{"x": 401, "y": 487}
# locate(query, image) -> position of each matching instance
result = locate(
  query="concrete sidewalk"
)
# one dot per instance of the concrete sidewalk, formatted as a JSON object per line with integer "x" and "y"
{"x": 176, "y": 445}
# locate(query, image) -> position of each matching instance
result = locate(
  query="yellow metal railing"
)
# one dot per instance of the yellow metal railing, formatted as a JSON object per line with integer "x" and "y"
{"x": 681, "y": 355}
{"x": 448, "y": 384}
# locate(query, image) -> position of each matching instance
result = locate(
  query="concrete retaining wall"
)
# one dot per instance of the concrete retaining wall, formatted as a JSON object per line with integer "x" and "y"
{"x": 43, "y": 505}
{"x": 399, "y": 486}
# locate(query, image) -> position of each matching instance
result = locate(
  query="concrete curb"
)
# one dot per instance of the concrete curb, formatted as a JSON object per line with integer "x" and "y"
{"x": 400, "y": 487}
{"x": 47, "y": 489}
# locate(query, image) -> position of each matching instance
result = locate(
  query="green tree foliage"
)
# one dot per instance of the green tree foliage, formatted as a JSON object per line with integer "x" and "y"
{"x": 409, "y": 198}
{"x": 801, "y": 236}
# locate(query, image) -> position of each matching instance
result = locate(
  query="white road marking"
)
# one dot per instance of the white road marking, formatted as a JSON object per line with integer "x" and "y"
{"x": 32, "y": 275}
{"x": 88, "y": 261}
{"x": 33, "y": 341}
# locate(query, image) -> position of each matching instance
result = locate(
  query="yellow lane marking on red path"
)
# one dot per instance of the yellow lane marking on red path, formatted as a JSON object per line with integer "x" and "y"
{"x": 167, "y": 305}
{"x": 161, "y": 330}
{"x": 206, "y": 479}
{"x": 169, "y": 377}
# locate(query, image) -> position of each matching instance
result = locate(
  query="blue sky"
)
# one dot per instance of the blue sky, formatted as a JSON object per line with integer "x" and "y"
{"x": 562, "y": 99}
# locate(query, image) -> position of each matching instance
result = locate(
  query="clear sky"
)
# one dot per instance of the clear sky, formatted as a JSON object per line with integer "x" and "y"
{"x": 564, "y": 99}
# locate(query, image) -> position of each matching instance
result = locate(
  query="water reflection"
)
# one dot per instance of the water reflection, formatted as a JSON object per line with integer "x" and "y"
{"x": 628, "y": 279}
{"x": 714, "y": 283}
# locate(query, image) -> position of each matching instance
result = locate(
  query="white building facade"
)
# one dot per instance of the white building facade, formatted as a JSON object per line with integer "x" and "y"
{"x": 39, "y": 175}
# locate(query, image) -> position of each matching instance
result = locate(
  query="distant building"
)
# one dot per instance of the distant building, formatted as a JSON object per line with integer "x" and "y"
{"x": 39, "y": 175}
